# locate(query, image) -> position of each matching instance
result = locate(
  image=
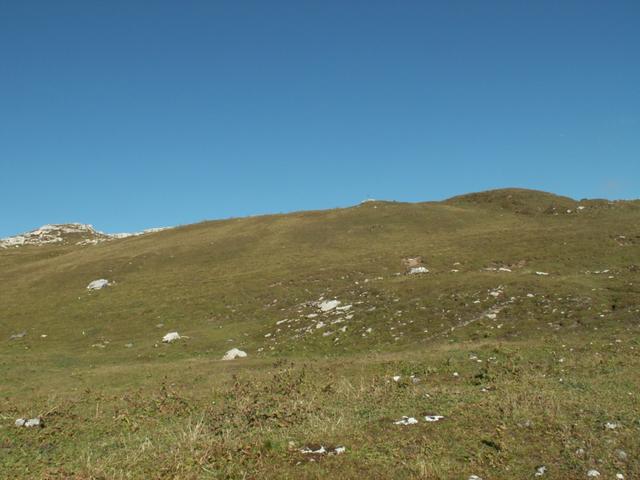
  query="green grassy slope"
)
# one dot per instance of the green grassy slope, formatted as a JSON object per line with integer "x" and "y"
{"x": 249, "y": 283}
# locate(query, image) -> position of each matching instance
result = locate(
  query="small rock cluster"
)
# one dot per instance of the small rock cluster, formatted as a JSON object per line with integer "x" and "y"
{"x": 412, "y": 421}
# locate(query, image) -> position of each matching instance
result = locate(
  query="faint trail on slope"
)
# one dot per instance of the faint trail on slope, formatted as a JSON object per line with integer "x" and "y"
{"x": 493, "y": 310}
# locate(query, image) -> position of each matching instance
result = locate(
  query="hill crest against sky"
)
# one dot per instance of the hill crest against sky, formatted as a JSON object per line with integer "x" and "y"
{"x": 520, "y": 199}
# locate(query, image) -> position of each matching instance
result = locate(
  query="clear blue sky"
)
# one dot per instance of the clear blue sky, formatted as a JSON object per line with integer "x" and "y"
{"x": 132, "y": 114}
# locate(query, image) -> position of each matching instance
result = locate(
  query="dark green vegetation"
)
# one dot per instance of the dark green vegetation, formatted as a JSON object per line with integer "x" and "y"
{"x": 527, "y": 369}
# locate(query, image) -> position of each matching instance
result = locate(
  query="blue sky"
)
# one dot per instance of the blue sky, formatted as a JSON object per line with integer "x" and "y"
{"x": 133, "y": 114}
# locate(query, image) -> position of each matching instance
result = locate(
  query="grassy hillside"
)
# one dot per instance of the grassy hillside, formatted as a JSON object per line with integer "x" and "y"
{"x": 531, "y": 299}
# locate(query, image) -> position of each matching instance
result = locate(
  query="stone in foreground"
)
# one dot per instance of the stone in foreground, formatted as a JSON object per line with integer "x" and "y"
{"x": 98, "y": 284}
{"x": 29, "y": 422}
{"x": 233, "y": 354}
{"x": 171, "y": 337}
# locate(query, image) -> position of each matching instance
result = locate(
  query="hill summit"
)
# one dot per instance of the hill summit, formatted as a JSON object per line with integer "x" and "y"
{"x": 66, "y": 234}
{"x": 76, "y": 233}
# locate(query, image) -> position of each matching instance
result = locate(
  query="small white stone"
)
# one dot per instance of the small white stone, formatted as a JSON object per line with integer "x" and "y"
{"x": 418, "y": 270}
{"x": 593, "y": 473}
{"x": 98, "y": 284}
{"x": 29, "y": 422}
{"x": 433, "y": 418}
{"x": 319, "y": 451}
{"x": 540, "y": 471}
{"x": 33, "y": 422}
{"x": 171, "y": 337}
{"x": 233, "y": 354}
{"x": 328, "y": 305}
{"x": 406, "y": 421}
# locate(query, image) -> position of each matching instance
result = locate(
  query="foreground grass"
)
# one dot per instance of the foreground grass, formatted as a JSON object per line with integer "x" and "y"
{"x": 524, "y": 405}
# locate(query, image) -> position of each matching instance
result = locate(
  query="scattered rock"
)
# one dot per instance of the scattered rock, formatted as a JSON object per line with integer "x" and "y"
{"x": 433, "y": 418}
{"x": 17, "y": 336}
{"x": 321, "y": 450}
{"x": 328, "y": 305}
{"x": 406, "y": 421}
{"x": 593, "y": 473}
{"x": 233, "y": 354}
{"x": 98, "y": 284}
{"x": 540, "y": 471}
{"x": 418, "y": 270}
{"x": 30, "y": 422}
{"x": 542, "y": 274}
{"x": 621, "y": 454}
{"x": 611, "y": 425}
{"x": 411, "y": 262}
{"x": 171, "y": 337}
{"x": 318, "y": 451}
